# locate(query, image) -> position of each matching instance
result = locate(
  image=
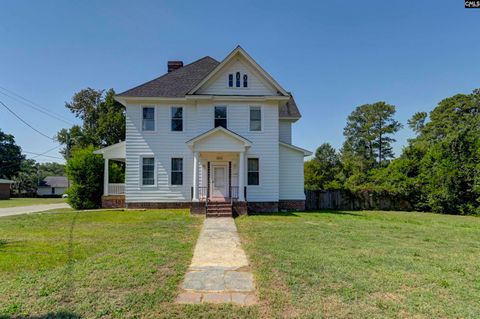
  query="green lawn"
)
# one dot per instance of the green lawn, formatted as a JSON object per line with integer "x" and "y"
{"x": 365, "y": 264}
{"x": 114, "y": 264}
{"x": 109, "y": 264}
{"x": 14, "y": 202}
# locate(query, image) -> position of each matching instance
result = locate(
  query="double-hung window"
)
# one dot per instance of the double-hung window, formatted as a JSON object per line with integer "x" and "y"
{"x": 148, "y": 119}
{"x": 253, "y": 171}
{"x": 177, "y": 171}
{"x": 221, "y": 116}
{"x": 255, "y": 118}
{"x": 148, "y": 171}
{"x": 177, "y": 119}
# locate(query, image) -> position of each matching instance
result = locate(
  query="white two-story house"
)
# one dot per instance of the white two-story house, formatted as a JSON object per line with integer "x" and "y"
{"x": 205, "y": 133}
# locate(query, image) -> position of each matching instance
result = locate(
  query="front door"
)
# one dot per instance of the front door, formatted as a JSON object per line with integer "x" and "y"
{"x": 219, "y": 181}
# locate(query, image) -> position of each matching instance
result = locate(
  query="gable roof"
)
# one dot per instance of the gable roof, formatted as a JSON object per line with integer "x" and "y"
{"x": 176, "y": 83}
{"x": 219, "y": 129}
{"x": 54, "y": 181}
{"x": 240, "y": 51}
{"x": 184, "y": 80}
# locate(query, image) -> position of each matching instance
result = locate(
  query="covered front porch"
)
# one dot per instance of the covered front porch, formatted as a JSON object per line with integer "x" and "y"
{"x": 217, "y": 177}
{"x": 219, "y": 166}
{"x": 219, "y": 172}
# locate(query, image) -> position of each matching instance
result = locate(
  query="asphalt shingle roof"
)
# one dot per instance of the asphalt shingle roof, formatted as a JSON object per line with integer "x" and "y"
{"x": 181, "y": 81}
{"x": 176, "y": 83}
{"x": 54, "y": 181}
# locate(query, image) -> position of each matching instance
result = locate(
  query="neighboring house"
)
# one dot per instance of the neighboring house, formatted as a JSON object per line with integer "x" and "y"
{"x": 5, "y": 186}
{"x": 209, "y": 132}
{"x": 53, "y": 185}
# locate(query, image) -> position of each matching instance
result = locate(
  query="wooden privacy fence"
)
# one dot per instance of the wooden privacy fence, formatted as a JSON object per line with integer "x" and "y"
{"x": 345, "y": 200}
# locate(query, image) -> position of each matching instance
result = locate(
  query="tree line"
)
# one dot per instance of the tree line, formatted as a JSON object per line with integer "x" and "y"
{"x": 25, "y": 173}
{"x": 438, "y": 170}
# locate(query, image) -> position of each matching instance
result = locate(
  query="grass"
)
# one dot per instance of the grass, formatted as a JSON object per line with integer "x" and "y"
{"x": 15, "y": 202}
{"x": 365, "y": 264}
{"x": 114, "y": 264}
{"x": 108, "y": 264}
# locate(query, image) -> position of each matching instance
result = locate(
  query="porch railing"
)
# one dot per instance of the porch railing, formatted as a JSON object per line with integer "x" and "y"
{"x": 202, "y": 193}
{"x": 116, "y": 189}
{"x": 233, "y": 193}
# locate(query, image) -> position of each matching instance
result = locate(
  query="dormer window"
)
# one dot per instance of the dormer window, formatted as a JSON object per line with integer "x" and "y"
{"x": 238, "y": 79}
{"x": 230, "y": 80}
{"x": 245, "y": 80}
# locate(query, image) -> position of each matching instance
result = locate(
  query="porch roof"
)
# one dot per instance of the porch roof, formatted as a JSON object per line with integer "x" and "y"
{"x": 114, "y": 151}
{"x": 219, "y": 139}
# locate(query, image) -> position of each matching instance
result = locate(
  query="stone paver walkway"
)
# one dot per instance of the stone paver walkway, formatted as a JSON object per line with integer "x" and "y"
{"x": 219, "y": 272}
{"x": 30, "y": 209}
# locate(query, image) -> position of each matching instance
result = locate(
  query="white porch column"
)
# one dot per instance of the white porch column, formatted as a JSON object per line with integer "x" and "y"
{"x": 195, "y": 177}
{"x": 105, "y": 178}
{"x": 241, "y": 176}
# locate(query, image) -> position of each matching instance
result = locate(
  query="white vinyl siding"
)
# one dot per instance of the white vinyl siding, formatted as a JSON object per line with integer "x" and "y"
{"x": 163, "y": 144}
{"x": 285, "y": 131}
{"x": 291, "y": 174}
{"x": 43, "y": 190}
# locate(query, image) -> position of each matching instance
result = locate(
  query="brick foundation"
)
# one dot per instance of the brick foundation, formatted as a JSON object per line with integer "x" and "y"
{"x": 113, "y": 201}
{"x": 262, "y": 207}
{"x": 291, "y": 205}
{"x": 198, "y": 208}
{"x": 163, "y": 205}
{"x": 239, "y": 208}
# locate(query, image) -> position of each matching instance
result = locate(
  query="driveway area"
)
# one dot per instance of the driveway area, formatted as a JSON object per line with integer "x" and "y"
{"x": 30, "y": 209}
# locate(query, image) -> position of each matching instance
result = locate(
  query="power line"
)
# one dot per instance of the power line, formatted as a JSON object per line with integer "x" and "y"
{"x": 34, "y": 157}
{"x": 34, "y": 105}
{"x": 24, "y": 122}
{"x": 42, "y": 155}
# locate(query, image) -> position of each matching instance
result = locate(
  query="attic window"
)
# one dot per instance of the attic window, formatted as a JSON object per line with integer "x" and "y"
{"x": 238, "y": 79}
{"x": 230, "y": 80}
{"x": 245, "y": 80}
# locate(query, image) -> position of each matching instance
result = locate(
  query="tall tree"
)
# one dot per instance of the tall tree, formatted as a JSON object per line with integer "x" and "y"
{"x": 103, "y": 120}
{"x": 323, "y": 171}
{"x": 369, "y": 133}
{"x": 10, "y": 156}
{"x": 26, "y": 180}
{"x": 417, "y": 122}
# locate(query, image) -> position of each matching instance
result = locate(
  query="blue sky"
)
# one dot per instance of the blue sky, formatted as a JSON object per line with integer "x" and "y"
{"x": 333, "y": 55}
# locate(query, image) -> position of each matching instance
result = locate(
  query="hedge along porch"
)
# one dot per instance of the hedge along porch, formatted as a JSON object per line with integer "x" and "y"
{"x": 113, "y": 193}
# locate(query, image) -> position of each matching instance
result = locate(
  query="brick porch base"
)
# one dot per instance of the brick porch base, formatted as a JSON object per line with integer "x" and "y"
{"x": 113, "y": 201}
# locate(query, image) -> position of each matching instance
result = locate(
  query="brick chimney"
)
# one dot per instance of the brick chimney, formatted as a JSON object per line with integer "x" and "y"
{"x": 174, "y": 65}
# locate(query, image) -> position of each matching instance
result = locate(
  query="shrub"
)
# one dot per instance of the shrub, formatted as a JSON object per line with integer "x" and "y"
{"x": 85, "y": 170}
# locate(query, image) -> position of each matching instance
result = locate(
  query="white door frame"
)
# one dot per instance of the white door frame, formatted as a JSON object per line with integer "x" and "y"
{"x": 224, "y": 192}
